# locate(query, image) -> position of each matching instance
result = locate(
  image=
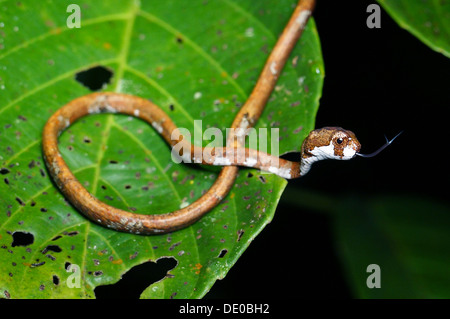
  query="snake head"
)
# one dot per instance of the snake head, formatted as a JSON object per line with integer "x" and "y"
{"x": 331, "y": 143}
{"x": 328, "y": 143}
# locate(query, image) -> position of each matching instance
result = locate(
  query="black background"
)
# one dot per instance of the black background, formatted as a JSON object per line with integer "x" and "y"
{"x": 378, "y": 82}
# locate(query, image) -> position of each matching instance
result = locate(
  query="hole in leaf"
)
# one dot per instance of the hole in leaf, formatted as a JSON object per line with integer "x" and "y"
{"x": 240, "y": 233}
{"x": 4, "y": 171}
{"x": 86, "y": 140}
{"x": 22, "y": 239}
{"x": 56, "y": 280}
{"x": 31, "y": 165}
{"x": 72, "y": 233}
{"x": 97, "y": 273}
{"x": 54, "y": 248}
{"x": 136, "y": 280}
{"x": 223, "y": 252}
{"x": 21, "y": 203}
{"x": 94, "y": 78}
{"x": 37, "y": 264}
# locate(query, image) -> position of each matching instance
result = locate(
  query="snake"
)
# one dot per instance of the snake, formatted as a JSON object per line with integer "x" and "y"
{"x": 320, "y": 144}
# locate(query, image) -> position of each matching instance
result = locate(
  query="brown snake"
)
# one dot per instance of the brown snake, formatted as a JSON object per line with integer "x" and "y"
{"x": 329, "y": 142}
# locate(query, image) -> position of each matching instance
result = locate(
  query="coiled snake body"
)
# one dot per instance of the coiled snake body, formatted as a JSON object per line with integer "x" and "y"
{"x": 328, "y": 142}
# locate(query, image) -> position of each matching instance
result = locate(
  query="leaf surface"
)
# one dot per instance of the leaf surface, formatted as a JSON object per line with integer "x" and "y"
{"x": 197, "y": 60}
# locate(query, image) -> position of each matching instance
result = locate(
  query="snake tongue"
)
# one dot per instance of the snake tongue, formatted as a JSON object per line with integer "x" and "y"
{"x": 388, "y": 142}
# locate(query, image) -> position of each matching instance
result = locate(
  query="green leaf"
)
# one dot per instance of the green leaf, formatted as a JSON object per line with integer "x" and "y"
{"x": 198, "y": 60}
{"x": 428, "y": 20}
{"x": 406, "y": 237}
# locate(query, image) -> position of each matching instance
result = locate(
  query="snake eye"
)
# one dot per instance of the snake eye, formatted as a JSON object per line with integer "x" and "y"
{"x": 339, "y": 140}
